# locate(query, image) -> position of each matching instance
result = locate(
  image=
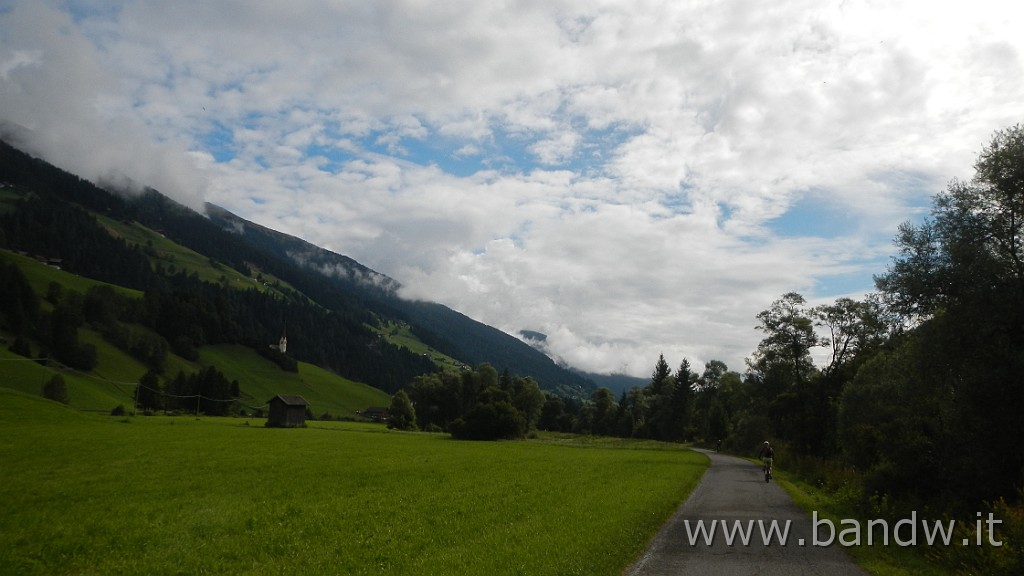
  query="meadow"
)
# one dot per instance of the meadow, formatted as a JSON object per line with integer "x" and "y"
{"x": 91, "y": 494}
{"x": 261, "y": 380}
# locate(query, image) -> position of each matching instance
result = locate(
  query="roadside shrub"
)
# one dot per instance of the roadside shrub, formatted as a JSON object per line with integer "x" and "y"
{"x": 1004, "y": 560}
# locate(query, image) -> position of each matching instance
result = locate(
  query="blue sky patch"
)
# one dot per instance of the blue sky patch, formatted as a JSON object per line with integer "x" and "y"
{"x": 812, "y": 216}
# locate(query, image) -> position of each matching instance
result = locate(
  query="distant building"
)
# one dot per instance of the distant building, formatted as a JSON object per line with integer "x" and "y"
{"x": 282, "y": 344}
{"x": 376, "y": 413}
{"x": 287, "y": 412}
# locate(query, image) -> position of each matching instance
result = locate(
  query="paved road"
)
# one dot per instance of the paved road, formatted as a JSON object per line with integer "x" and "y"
{"x": 734, "y": 489}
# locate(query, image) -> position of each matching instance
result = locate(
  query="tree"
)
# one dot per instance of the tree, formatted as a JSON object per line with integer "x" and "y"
{"x": 791, "y": 391}
{"x": 19, "y": 305}
{"x": 149, "y": 395}
{"x": 527, "y": 399}
{"x": 971, "y": 248}
{"x": 682, "y": 403}
{"x": 633, "y": 409}
{"x": 660, "y": 376}
{"x": 605, "y": 411}
{"x": 959, "y": 277}
{"x": 490, "y": 421}
{"x": 401, "y": 414}
{"x": 789, "y": 338}
{"x": 214, "y": 390}
{"x": 553, "y": 416}
{"x": 56, "y": 389}
{"x": 712, "y": 375}
{"x": 438, "y": 399}
{"x": 854, "y": 327}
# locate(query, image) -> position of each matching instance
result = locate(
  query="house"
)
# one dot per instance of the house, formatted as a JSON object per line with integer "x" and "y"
{"x": 376, "y": 413}
{"x": 287, "y": 412}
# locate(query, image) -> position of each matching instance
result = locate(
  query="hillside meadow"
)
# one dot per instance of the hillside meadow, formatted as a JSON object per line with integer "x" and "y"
{"x": 112, "y": 383}
{"x": 91, "y": 494}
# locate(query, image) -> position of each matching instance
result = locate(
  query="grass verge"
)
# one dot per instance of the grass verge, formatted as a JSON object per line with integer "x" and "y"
{"x": 878, "y": 560}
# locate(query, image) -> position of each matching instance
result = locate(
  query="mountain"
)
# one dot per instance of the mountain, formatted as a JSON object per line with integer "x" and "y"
{"x": 444, "y": 329}
{"x": 218, "y": 279}
{"x": 617, "y": 383}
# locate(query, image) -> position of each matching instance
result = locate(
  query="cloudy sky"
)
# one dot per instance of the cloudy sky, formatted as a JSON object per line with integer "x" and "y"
{"x": 629, "y": 177}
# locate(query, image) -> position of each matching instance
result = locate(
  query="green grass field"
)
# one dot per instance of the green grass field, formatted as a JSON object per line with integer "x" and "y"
{"x": 90, "y": 494}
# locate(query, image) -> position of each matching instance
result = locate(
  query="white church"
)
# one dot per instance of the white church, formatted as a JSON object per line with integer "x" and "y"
{"x": 282, "y": 346}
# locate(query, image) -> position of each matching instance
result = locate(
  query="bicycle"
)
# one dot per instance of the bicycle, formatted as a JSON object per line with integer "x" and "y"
{"x": 767, "y": 469}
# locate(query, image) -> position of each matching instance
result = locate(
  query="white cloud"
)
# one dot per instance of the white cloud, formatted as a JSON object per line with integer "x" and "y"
{"x": 624, "y": 168}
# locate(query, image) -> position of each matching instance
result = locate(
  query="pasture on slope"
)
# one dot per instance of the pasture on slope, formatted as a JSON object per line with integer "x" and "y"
{"x": 261, "y": 380}
{"x": 96, "y": 494}
{"x": 112, "y": 382}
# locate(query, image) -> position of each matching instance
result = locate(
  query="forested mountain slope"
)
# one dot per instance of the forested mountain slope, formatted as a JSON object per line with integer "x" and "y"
{"x": 328, "y": 304}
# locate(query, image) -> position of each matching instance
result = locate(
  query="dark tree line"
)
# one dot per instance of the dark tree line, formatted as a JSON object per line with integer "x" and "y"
{"x": 476, "y": 404}
{"x": 481, "y": 404}
{"x": 923, "y": 392}
{"x": 675, "y": 406}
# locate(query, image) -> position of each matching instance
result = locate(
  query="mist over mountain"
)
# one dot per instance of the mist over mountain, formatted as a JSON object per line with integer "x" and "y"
{"x": 441, "y": 327}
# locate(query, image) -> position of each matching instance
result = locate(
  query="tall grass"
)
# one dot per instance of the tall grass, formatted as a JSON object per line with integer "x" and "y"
{"x": 86, "y": 494}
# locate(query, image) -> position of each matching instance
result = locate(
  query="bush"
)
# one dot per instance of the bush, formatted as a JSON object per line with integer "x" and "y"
{"x": 1004, "y": 560}
{"x": 497, "y": 421}
{"x": 118, "y": 410}
{"x": 56, "y": 389}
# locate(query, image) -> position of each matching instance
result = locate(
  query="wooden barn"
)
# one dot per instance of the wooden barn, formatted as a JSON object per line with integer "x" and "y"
{"x": 287, "y": 412}
{"x": 376, "y": 413}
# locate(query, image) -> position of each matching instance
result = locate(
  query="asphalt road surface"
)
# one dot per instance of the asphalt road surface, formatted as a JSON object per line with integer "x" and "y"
{"x": 731, "y": 490}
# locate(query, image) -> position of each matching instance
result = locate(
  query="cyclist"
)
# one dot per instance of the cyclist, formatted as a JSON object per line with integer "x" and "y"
{"x": 767, "y": 454}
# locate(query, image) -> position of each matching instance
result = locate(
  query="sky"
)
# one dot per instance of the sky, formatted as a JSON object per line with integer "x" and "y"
{"x": 631, "y": 178}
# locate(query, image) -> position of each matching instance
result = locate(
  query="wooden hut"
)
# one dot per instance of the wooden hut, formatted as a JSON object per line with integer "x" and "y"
{"x": 287, "y": 411}
{"x": 376, "y": 413}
